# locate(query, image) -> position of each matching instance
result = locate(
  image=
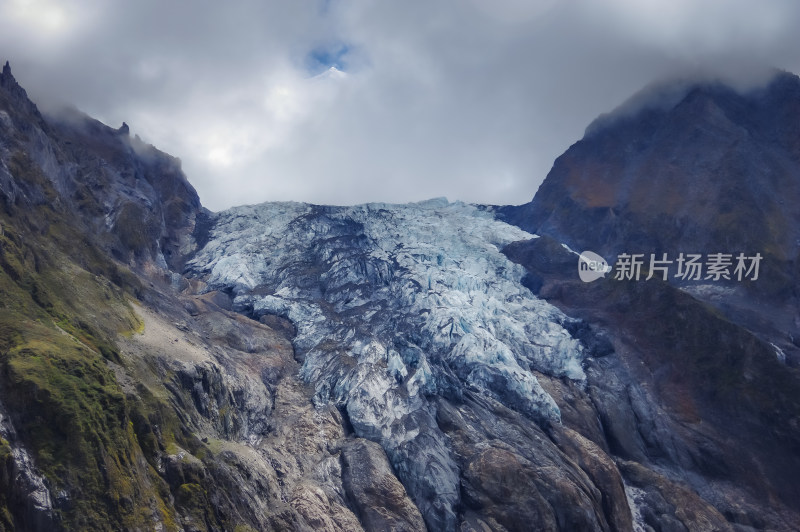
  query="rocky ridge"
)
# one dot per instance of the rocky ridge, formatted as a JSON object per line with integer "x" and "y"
{"x": 709, "y": 169}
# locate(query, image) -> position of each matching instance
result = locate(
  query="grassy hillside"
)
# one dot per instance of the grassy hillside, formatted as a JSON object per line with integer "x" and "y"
{"x": 62, "y": 304}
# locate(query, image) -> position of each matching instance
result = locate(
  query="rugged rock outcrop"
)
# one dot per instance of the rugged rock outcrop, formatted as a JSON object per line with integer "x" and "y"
{"x": 701, "y": 398}
{"x": 690, "y": 168}
{"x": 130, "y": 198}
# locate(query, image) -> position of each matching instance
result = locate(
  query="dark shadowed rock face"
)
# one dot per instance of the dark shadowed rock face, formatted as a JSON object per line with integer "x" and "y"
{"x": 715, "y": 171}
{"x": 380, "y": 499}
{"x": 695, "y": 383}
{"x": 694, "y": 398}
{"x": 133, "y": 199}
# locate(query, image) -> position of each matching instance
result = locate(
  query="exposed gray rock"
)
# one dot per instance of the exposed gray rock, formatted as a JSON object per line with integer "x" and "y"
{"x": 380, "y": 499}
{"x": 23, "y": 483}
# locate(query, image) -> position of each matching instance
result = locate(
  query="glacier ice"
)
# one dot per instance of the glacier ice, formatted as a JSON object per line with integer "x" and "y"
{"x": 393, "y": 305}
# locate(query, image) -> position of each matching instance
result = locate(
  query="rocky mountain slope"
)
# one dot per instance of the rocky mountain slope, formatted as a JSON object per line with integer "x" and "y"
{"x": 691, "y": 168}
{"x": 397, "y": 308}
{"x": 379, "y": 367}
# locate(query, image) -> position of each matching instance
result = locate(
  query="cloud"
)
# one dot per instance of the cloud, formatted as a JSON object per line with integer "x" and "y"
{"x": 345, "y": 101}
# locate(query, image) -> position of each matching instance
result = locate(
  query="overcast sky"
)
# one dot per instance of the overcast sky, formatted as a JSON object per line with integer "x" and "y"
{"x": 343, "y": 102}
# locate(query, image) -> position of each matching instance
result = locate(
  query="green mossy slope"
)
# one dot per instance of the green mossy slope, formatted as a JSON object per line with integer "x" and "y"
{"x": 62, "y": 304}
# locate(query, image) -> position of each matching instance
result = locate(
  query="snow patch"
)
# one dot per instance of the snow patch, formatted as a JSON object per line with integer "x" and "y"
{"x": 779, "y": 353}
{"x": 635, "y": 498}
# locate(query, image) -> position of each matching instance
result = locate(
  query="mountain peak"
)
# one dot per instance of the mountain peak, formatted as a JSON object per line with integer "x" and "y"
{"x": 679, "y": 150}
{"x": 665, "y": 95}
{"x": 7, "y": 78}
{"x": 14, "y": 91}
{"x": 148, "y": 206}
{"x": 702, "y": 166}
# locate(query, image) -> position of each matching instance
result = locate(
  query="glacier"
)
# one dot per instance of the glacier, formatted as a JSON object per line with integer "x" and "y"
{"x": 395, "y": 305}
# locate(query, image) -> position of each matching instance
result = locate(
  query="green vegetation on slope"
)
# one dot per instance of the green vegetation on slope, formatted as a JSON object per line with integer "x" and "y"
{"x": 62, "y": 304}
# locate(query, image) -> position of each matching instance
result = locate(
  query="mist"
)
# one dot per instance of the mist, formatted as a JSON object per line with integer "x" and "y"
{"x": 340, "y": 102}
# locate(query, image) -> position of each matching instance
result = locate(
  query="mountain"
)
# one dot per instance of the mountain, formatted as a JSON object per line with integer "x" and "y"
{"x": 691, "y": 168}
{"x": 436, "y": 365}
{"x": 688, "y": 168}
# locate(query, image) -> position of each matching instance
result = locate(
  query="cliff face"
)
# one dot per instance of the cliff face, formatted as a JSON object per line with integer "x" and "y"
{"x": 377, "y": 367}
{"x": 691, "y": 168}
{"x": 108, "y": 384}
{"x": 704, "y": 170}
{"x": 707, "y": 168}
{"x": 130, "y": 198}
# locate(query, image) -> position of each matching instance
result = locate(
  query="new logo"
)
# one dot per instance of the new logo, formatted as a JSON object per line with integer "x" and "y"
{"x": 592, "y": 266}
